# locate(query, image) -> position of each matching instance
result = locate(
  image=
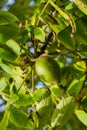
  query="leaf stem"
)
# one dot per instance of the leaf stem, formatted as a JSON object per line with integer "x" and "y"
{"x": 22, "y": 83}
{"x": 42, "y": 12}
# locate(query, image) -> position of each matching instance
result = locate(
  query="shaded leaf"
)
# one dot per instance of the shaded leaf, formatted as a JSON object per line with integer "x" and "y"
{"x": 20, "y": 119}
{"x": 5, "y": 55}
{"x": 7, "y": 17}
{"x": 8, "y": 31}
{"x": 81, "y": 31}
{"x": 64, "y": 37}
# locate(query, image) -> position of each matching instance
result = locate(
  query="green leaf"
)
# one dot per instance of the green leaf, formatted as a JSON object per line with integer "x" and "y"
{"x": 65, "y": 15}
{"x": 39, "y": 34}
{"x": 24, "y": 100}
{"x": 44, "y": 109}
{"x": 43, "y": 1}
{"x": 14, "y": 46}
{"x": 63, "y": 112}
{"x": 3, "y": 84}
{"x": 12, "y": 99}
{"x": 7, "y": 69}
{"x": 81, "y": 32}
{"x": 34, "y": 17}
{"x": 7, "y": 17}
{"x": 64, "y": 37}
{"x": 56, "y": 91}
{"x": 79, "y": 76}
{"x": 20, "y": 119}
{"x": 41, "y": 94}
{"x": 66, "y": 76}
{"x": 56, "y": 28}
{"x": 4, "y": 121}
{"x": 9, "y": 31}
{"x": 81, "y": 5}
{"x": 81, "y": 66}
{"x": 82, "y": 116}
{"x": 5, "y": 55}
{"x": 76, "y": 85}
{"x": 35, "y": 118}
{"x": 84, "y": 52}
{"x": 71, "y": 7}
{"x": 25, "y": 97}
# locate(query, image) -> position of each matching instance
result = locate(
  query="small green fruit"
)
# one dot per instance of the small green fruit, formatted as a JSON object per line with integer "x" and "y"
{"x": 48, "y": 69}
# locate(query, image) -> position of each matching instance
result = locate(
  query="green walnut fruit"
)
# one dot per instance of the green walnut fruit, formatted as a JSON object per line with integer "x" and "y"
{"x": 48, "y": 69}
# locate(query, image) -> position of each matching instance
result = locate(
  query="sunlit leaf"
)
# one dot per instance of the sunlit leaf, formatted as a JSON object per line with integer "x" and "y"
{"x": 81, "y": 66}
{"x": 4, "y": 121}
{"x": 3, "y": 84}
{"x": 14, "y": 46}
{"x": 7, "y": 69}
{"x": 12, "y": 99}
{"x": 56, "y": 28}
{"x": 24, "y": 100}
{"x": 56, "y": 91}
{"x": 82, "y": 116}
{"x": 24, "y": 96}
{"x": 63, "y": 112}
{"x": 39, "y": 34}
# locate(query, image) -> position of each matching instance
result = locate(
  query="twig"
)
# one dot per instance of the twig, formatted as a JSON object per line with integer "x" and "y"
{"x": 42, "y": 12}
{"x": 33, "y": 72}
{"x": 22, "y": 83}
